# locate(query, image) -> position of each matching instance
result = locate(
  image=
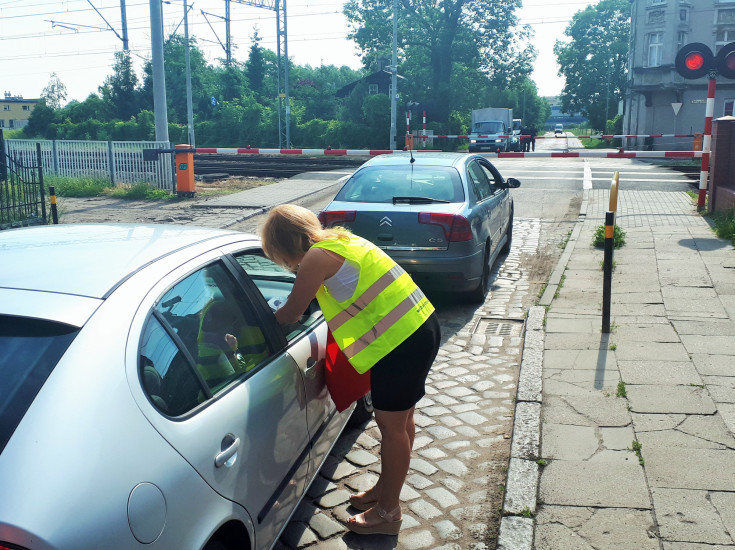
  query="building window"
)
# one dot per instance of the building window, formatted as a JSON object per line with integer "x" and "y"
{"x": 656, "y": 16}
{"x": 12, "y": 123}
{"x": 655, "y": 49}
{"x": 681, "y": 40}
{"x": 656, "y": 2}
{"x": 683, "y": 15}
{"x": 2, "y": 123}
{"x": 724, "y": 36}
{"x": 26, "y": 107}
{"x": 6, "y": 107}
{"x": 728, "y": 107}
{"x": 372, "y": 89}
{"x": 726, "y": 17}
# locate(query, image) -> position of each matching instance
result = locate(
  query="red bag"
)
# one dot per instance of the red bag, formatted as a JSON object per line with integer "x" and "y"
{"x": 344, "y": 383}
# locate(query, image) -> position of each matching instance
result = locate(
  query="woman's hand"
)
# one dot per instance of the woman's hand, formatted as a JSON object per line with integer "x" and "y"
{"x": 315, "y": 267}
{"x": 231, "y": 342}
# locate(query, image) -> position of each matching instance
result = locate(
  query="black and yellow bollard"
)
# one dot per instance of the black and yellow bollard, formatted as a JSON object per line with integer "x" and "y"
{"x": 52, "y": 199}
{"x": 607, "y": 268}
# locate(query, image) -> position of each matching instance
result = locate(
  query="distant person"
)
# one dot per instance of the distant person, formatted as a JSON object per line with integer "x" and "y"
{"x": 532, "y": 130}
{"x": 524, "y": 139}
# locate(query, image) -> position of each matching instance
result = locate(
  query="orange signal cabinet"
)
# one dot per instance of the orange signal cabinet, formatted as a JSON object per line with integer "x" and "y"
{"x": 185, "y": 171}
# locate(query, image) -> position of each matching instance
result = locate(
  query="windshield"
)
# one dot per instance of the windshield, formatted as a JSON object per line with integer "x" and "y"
{"x": 488, "y": 127}
{"x": 29, "y": 351}
{"x": 383, "y": 183}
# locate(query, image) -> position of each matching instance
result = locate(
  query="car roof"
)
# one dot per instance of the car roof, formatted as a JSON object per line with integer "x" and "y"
{"x": 91, "y": 260}
{"x": 428, "y": 159}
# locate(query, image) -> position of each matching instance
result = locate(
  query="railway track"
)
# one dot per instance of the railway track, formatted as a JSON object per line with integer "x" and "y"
{"x": 268, "y": 166}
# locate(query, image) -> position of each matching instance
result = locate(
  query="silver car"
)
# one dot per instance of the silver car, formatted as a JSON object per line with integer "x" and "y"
{"x": 149, "y": 398}
{"x": 444, "y": 217}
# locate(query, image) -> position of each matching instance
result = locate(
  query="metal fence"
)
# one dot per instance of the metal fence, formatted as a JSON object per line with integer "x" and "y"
{"x": 121, "y": 162}
{"x": 22, "y": 195}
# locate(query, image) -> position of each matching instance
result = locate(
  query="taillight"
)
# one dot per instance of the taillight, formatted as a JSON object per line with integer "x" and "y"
{"x": 8, "y": 546}
{"x": 336, "y": 217}
{"x": 456, "y": 228}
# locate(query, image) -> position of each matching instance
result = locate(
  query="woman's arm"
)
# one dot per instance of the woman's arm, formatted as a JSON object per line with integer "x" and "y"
{"x": 316, "y": 266}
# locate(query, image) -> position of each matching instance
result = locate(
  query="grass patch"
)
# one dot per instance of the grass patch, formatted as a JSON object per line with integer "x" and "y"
{"x": 724, "y": 225}
{"x": 526, "y": 512}
{"x": 613, "y": 347}
{"x": 637, "y": 446}
{"x": 139, "y": 191}
{"x": 598, "y": 239}
{"x": 77, "y": 187}
{"x": 621, "y": 390}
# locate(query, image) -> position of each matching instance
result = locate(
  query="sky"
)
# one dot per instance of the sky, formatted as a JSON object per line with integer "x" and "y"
{"x": 71, "y": 39}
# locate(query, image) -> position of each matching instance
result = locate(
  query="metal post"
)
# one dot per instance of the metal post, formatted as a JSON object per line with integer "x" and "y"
{"x": 3, "y": 158}
{"x": 40, "y": 181}
{"x": 55, "y": 154}
{"x": 111, "y": 162}
{"x": 189, "y": 101}
{"x": 124, "y": 22}
{"x": 285, "y": 82}
{"x": 228, "y": 39}
{"x": 607, "y": 267}
{"x": 394, "y": 78}
{"x": 707, "y": 142}
{"x": 52, "y": 198}
{"x": 159, "y": 77}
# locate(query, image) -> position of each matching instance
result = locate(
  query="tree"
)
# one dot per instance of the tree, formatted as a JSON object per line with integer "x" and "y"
{"x": 120, "y": 90}
{"x": 54, "y": 93}
{"x": 255, "y": 67}
{"x": 435, "y": 37}
{"x": 594, "y": 61}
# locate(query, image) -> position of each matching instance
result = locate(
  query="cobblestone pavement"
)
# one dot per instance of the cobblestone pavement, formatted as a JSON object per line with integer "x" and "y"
{"x": 454, "y": 489}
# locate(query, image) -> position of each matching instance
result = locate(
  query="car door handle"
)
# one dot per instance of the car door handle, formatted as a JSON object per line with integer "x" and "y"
{"x": 311, "y": 362}
{"x": 221, "y": 458}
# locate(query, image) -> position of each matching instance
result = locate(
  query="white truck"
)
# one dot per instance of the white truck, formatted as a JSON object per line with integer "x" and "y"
{"x": 495, "y": 125}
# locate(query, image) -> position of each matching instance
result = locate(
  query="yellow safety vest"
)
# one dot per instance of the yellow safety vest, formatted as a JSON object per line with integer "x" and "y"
{"x": 386, "y": 308}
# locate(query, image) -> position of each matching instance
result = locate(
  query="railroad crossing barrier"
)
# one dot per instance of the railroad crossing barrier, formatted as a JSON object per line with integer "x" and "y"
{"x": 375, "y": 152}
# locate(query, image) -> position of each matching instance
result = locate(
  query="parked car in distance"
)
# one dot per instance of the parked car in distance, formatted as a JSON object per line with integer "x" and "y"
{"x": 444, "y": 217}
{"x": 149, "y": 397}
{"x": 559, "y": 129}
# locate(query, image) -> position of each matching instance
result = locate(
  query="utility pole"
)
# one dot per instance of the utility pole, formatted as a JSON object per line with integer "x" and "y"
{"x": 189, "y": 108}
{"x": 124, "y": 20}
{"x": 159, "y": 77}
{"x": 228, "y": 37}
{"x": 394, "y": 78}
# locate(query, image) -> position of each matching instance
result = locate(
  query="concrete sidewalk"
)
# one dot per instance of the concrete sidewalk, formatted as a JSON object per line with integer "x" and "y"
{"x": 625, "y": 440}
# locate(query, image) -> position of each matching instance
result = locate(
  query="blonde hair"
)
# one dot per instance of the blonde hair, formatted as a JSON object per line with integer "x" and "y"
{"x": 290, "y": 230}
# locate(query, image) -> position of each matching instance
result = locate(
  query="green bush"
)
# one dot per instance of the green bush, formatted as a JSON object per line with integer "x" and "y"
{"x": 598, "y": 240}
{"x": 77, "y": 187}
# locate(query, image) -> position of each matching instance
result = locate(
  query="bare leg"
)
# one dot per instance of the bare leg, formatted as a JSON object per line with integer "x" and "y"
{"x": 396, "y": 429}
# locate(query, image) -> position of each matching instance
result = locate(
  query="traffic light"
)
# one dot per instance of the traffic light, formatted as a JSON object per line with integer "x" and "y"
{"x": 694, "y": 60}
{"x": 725, "y": 60}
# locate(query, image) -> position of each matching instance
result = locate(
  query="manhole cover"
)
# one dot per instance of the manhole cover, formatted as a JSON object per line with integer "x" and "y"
{"x": 499, "y": 327}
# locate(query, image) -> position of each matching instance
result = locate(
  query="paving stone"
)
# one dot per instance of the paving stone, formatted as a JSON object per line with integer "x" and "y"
{"x": 419, "y": 482}
{"x": 408, "y": 493}
{"x": 363, "y": 482}
{"x": 453, "y": 466}
{"x": 472, "y": 418}
{"x": 335, "y": 498}
{"x": 432, "y": 453}
{"x": 423, "y": 467}
{"x": 444, "y": 498}
{"x": 688, "y": 516}
{"x": 419, "y": 539}
{"x": 424, "y": 509}
{"x": 441, "y": 432}
{"x": 435, "y": 411}
{"x": 469, "y": 455}
{"x": 447, "y": 530}
{"x": 451, "y": 421}
{"x": 452, "y": 483}
{"x": 516, "y": 533}
{"x": 367, "y": 442}
{"x": 422, "y": 441}
{"x": 454, "y": 445}
{"x": 463, "y": 408}
{"x": 467, "y": 431}
{"x": 297, "y": 534}
{"x": 325, "y": 526}
{"x": 361, "y": 457}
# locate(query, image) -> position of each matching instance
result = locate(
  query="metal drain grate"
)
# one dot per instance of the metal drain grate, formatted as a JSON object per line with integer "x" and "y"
{"x": 499, "y": 327}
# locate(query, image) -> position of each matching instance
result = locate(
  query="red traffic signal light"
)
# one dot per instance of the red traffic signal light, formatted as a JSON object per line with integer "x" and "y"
{"x": 725, "y": 60}
{"x": 694, "y": 60}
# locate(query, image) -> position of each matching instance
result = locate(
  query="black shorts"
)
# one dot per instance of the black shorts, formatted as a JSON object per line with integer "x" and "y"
{"x": 397, "y": 381}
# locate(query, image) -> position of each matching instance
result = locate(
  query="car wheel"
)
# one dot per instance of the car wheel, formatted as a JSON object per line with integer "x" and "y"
{"x": 479, "y": 294}
{"x": 509, "y": 236}
{"x": 363, "y": 411}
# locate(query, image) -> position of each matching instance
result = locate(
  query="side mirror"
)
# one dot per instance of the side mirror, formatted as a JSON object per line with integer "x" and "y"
{"x": 513, "y": 183}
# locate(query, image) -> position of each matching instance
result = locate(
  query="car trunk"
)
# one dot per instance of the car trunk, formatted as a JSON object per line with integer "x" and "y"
{"x": 397, "y": 227}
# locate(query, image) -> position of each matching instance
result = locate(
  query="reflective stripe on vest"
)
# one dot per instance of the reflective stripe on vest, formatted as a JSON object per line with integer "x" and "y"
{"x": 386, "y": 308}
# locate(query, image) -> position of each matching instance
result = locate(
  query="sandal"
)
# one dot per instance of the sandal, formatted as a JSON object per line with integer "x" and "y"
{"x": 362, "y": 505}
{"x": 389, "y": 525}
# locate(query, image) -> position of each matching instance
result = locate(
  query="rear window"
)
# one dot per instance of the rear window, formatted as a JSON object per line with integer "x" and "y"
{"x": 29, "y": 351}
{"x": 383, "y": 183}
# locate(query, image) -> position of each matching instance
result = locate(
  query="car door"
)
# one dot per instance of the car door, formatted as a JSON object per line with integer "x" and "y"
{"x": 306, "y": 341}
{"x": 501, "y": 196}
{"x": 225, "y": 393}
{"x": 482, "y": 212}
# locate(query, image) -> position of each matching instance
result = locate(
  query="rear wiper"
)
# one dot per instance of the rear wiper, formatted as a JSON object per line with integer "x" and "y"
{"x": 417, "y": 200}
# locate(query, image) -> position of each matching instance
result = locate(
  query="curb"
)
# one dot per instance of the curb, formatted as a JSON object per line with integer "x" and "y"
{"x": 521, "y": 486}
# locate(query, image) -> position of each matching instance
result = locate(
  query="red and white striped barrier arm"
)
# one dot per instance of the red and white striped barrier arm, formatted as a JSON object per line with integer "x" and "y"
{"x": 592, "y": 136}
{"x": 374, "y": 152}
{"x": 706, "y": 142}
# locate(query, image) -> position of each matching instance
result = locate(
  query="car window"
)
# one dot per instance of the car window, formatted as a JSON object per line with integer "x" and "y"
{"x": 493, "y": 177}
{"x": 382, "y": 183}
{"x": 218, "y": 329}
{"x": 29, "y": 351}
{"x": 479, "y": 180}
{"x": 276, "y": 283}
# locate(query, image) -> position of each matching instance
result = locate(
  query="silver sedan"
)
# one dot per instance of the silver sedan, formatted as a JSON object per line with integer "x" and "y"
{"x": 149, "y": 399}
